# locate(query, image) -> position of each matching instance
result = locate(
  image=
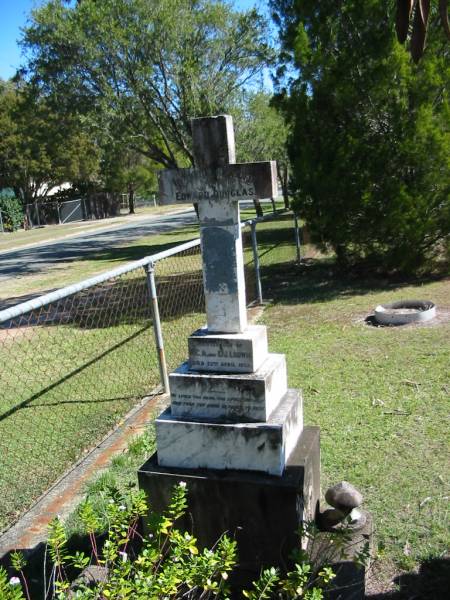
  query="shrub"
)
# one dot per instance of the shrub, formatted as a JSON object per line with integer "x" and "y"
{"x": 11, "y": 209}
{"x": 162, "y": 563}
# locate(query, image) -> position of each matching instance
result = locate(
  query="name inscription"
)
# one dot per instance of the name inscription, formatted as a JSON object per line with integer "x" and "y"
{"x": 216, "y": 194}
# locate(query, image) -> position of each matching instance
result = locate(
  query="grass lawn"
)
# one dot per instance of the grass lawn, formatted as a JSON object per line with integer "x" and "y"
{"x": 379, "y": 395}
{"x": 72, "y": 369}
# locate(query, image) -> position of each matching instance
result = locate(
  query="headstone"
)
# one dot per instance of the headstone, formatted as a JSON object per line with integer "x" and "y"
{"x": 217, "y": 184}
{"x": 234, "y": 431}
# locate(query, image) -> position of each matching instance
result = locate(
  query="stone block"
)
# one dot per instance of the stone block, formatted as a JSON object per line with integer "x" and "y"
{"x": 229, "y": 397}
{"x": 262, "y": 512}
{"x": 248, "y": 446}
{"x": 227, "y": 352}
{"x": 228, "y": 183}
{"x": 223, "y": 267}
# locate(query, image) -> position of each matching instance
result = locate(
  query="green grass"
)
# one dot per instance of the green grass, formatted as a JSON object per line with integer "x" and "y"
{"x": 73, "y": 369}
{"x": 379, "y": 395}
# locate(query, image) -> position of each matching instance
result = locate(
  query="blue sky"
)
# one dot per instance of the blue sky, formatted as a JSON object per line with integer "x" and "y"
{"x": 13, "y": 15}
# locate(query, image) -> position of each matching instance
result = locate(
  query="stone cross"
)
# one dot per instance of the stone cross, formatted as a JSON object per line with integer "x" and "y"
{"x": 217, "y": 184}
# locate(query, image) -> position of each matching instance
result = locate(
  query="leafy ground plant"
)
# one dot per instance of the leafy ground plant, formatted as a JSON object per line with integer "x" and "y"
{"x": 162, "y": 562}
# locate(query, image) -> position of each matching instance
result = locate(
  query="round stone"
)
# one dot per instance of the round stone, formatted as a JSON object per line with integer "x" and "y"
{"x": 343, "y": 496}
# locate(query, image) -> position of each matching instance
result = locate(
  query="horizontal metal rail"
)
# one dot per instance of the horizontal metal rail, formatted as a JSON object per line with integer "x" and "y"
{"x": 24, "y": 307}
{"x": 35, "y": 303}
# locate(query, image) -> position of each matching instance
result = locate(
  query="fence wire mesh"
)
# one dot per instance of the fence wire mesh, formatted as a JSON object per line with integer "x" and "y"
{"x": 71, "y": 369}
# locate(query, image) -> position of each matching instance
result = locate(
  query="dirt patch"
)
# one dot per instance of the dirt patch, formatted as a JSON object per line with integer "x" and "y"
{"x": 15, "y": 333}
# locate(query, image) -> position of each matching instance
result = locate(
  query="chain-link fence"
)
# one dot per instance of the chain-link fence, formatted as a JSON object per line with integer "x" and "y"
{"x": 75, "y": 361}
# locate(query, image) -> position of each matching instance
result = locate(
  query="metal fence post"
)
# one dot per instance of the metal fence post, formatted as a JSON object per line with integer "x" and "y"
{"x": 150, "y": 271}
{"x": 297, "y": 238}
{"x": 256, "y": 261}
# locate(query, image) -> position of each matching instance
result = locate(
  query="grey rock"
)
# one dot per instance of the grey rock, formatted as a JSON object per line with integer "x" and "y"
{"x": 344, "y": 496}
{"x": 331, "y": 517}
{"x": 89, "y": 577}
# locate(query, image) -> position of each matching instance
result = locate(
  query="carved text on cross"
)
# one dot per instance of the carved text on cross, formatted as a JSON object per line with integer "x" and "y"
{"x": 217, "y": 184}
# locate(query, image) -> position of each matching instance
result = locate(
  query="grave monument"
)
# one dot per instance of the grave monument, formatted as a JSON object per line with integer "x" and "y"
{"x": 233, "y": 431}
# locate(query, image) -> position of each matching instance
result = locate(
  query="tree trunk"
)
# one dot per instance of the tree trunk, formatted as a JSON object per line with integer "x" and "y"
{"x": 258, "y": 207}
{"x": 284, "y": 178}
{"x": 131, "y": 210}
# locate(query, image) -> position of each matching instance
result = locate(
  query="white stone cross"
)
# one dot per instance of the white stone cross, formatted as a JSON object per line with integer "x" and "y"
{"x": 217, "y": 184}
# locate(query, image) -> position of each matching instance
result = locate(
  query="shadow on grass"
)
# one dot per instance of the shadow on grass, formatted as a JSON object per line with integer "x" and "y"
{"x": 430, "y": 582}
{"x": 121, "y": 301}
{"x": 319, "y": 280}
{"x": 62, "y": 380}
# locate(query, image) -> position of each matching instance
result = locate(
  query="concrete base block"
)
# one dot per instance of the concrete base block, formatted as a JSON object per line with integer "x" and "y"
{"x": 227, "y": 352}
{"x": 237, "y": 397}
{"x": 262, "y": 512}
{"x": 261, "y": 446}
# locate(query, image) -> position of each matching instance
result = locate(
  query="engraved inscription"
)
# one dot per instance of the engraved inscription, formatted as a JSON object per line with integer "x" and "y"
{"x": 220, "y": 403}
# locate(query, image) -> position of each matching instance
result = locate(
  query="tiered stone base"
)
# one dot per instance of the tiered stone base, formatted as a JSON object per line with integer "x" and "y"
{"x": 261, "y": 446}
{"x": 234, "y": 433}
{"x": 262, "y": 512}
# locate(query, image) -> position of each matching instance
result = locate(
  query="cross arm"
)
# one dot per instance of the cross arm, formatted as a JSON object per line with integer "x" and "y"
{"x": 233, "y": 182}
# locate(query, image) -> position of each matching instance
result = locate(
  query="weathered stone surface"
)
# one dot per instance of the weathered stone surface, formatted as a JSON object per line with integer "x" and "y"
{"x": 260, "y": 511}
{"x": 231, "y": 183}
{"x": 350, "y": 575}
{"x": 213, "y": 141}
{"x": 228, "y": 353}
{"x": 343, "y": 496}
{"x": 229, "y": 397}
{"x": 248, "y": 446}
{"x": 223, "y": 267}
{"x": 217, "y": 184}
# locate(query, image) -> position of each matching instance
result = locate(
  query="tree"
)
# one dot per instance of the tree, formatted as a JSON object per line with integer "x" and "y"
{"x": 39, "y": 148}
{"x": 413, "y": 15}
{"x": 369, "y": 144}
{"x": 124, "y": 169}
{"x": 145, "y": 68}
{"x": 261, "y": 134}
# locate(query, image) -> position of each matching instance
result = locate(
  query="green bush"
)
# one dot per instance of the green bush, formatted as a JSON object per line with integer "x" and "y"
{"x": 11, "y": 209}
{"x": 164, "y": 562}
{"x": 369, "y": 145}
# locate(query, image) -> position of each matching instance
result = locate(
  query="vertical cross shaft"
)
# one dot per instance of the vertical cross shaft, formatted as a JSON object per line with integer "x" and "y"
{"x": 220, "y": 231}
{"x": 217, "y": 183}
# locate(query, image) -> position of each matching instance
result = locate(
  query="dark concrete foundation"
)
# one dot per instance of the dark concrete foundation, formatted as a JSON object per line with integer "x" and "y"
{"x": 262, "y": 512}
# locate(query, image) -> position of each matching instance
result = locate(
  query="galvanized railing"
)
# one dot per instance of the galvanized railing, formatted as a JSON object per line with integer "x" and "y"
{"x": 73, "y": 362}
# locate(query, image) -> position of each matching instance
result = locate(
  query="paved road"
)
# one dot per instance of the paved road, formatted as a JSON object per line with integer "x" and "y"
{"x": 30, "y": 261}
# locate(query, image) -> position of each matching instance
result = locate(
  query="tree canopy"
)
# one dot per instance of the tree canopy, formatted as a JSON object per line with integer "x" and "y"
{"x": 261, "y": 133}
{"x": 141, "y": 70}
{"x": 369, "y": 143}
{"x": 40, "y": 148}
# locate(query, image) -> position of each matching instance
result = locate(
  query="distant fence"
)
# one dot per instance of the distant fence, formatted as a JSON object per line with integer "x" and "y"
{"x": 75, "y": 361}
{"x": 49, "y": 212}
